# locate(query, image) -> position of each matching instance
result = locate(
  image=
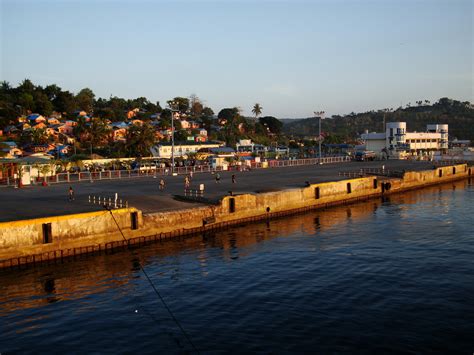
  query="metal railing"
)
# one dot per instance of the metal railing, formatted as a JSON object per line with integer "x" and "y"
{"x": 159, "y": 171}
{"x": 372, "y": 171}
{"x": 110, "y": 202}
{"x": 193, "y": 193}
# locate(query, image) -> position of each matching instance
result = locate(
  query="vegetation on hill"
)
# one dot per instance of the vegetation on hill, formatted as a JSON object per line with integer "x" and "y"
{"x": 95, "y": 119}
{"x": 337, "y": 129}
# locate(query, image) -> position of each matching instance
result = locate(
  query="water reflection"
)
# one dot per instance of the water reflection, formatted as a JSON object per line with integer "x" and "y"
{"x": 39, "y": 286}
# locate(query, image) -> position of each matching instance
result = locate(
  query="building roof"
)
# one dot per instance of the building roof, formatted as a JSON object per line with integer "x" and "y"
{"x": 11, "y": 144}
{"x": 119, "y": 124}
{"x": 33, "y": 116}
{"x": 222, "y": 150}
{"x": 373, "y": 136}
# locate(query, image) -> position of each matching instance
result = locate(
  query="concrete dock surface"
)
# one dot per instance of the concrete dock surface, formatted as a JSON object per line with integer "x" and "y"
{"x": 143, "y": 193}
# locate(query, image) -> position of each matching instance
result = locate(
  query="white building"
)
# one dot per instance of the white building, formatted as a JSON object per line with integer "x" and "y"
{"x": 180, "y": 150}
{"x": 396, "y": 142}
{"x": 246, "y": 145}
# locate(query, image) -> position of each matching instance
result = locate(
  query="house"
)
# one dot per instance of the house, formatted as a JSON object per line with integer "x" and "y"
{"x": 137, "y": 122}
{"x": 182, "y": 149}
{"x": 203, "y": 132}
{"x": 70, "y": 123}
{"x": 185, "y": 124}
{"x": 119, "y": 124}
{"x": 11, "y": 130}
{"x": 200, "y": 138}
{"x": 40, "y": 125}
{"x": 59, "y": 150}
{"x": 12, "y": 151}
{"x": 65, "y": 129}
{"x": 35, "y": 118}
{"x": 53, "y": 121}
{"x": 119, "y": 134}
{"x": 246, "y": 145}
{"x": 194, "y": 124}
{"x": 80, "y": 113}
{"x": 132, "y": 113}
{"x": 51, "y": 131}
{"x": 24, "y": 126}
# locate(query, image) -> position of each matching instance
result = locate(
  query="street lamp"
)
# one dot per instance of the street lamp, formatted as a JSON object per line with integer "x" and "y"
{"x": 320, "y": 115}
{"x": 171, "y": 105}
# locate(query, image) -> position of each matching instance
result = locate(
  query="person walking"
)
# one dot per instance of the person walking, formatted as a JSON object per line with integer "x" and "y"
{"x": 186, "y": 182}
{"x": 191, "y": 173}
{"x": 71, "y": 194}
{"x": 218, "y": 178}
{"x": 233, "y": 178}
{"x": 162, "y": 184}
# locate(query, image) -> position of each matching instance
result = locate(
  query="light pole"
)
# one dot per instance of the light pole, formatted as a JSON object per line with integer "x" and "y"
{"x": 320, "y": 115}
{"x": 171, "y": 104}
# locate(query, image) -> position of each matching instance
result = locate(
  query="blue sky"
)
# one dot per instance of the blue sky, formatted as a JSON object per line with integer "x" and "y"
{"x": 292, "y": 57}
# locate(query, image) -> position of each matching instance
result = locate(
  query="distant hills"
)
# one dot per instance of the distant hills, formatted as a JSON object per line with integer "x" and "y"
{"x": 459, "y": 115}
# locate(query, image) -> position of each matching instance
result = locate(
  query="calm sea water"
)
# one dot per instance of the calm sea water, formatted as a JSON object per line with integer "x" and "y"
{"x": 394, "y": 275}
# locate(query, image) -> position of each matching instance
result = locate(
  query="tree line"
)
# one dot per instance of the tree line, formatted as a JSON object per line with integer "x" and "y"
{"x": 347, "y": 128}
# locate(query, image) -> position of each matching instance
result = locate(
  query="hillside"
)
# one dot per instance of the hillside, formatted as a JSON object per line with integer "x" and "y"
{"x": 459, "y": 116}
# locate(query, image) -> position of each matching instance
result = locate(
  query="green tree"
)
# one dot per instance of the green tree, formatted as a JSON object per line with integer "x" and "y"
{"x": 64, "y": 102}
{"x": 273, "y": 124}
{"x": 27, "y": 87}
{"x": 179, "y": 103}
{"x": 42, "y": 103}
{"x": 82, "y": 129}
{"x": 26, "y": 101}
{"x": 196, "y": 106}
{"x": 52, "y": 91}
{"x": 181, "y": 135}
{"x": 85, "y": 100}
{"x": 35, "y": 136}
{"x": 99, "y": 132}
{"x": 140, "y": 138}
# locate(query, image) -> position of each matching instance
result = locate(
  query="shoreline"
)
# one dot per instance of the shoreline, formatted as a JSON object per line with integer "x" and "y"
{"x": 50, "y": 238}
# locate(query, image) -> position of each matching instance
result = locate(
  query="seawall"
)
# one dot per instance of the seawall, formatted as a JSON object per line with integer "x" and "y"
{"x": 53, "y": 238}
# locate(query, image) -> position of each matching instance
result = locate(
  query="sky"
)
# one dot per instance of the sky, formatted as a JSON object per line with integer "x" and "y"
{"x": 292, "y": 57}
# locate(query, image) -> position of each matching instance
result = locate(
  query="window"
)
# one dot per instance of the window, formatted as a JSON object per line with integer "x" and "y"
{"x": 134, "y": 220}
{"x": 349, "y": 189}
{"x": 47, "y": 235}
{"x": 231, "y": 205}
{"x": 317, "y": 193}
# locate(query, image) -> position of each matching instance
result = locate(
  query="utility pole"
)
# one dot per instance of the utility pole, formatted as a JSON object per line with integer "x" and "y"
{"x": 320, "y": 115}
{"x": 172, "y": 136}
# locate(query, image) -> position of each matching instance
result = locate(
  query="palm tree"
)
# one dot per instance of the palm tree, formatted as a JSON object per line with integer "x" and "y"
{"x": 257, "y": 110}
{"x": 38, "y": 136}
{"x": 140, "y": 139}
{"x": 100, "y": 131}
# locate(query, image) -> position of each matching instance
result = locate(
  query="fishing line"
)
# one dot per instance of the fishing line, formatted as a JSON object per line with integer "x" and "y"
{"x": 188, "y": 338}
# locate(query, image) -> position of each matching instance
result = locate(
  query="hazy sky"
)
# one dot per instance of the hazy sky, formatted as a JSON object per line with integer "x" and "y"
{"x": 292, "y": 57}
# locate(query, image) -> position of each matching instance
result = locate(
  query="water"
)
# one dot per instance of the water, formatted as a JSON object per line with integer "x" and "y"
{"x": 379, "y": 276}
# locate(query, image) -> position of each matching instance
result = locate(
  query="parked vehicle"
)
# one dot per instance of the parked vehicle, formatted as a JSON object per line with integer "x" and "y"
{"x": 365, "y": 155}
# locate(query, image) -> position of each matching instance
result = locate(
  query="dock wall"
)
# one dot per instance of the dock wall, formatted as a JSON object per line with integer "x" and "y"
{"x": 41, "y": 239}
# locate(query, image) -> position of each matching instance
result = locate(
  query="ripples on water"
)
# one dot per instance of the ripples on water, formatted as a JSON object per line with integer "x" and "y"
{"x": 385, "y": 275}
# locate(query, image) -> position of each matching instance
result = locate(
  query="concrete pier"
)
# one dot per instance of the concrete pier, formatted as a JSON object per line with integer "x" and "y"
{"x": 256, "y": 195}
